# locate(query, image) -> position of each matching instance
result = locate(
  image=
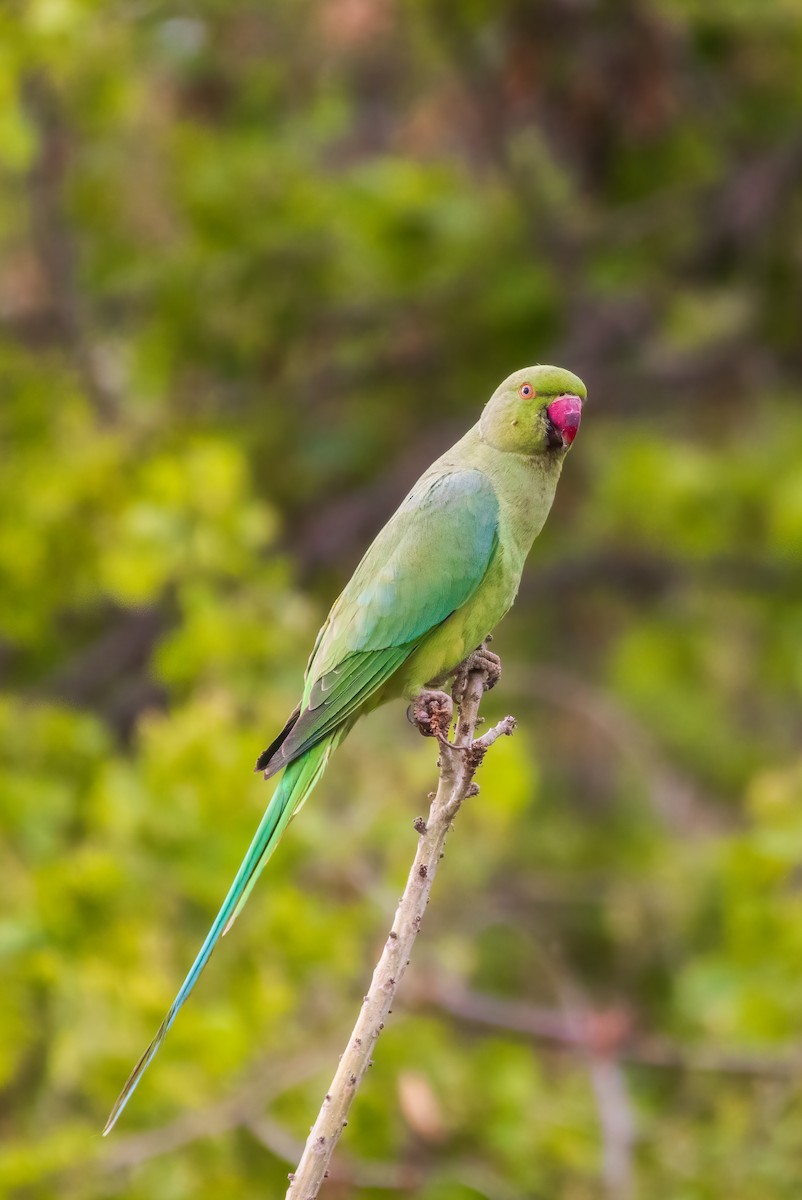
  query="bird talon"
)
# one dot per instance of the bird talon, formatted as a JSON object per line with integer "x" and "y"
{"x": 481, "y": 660}
{"x": 432, "y": 713}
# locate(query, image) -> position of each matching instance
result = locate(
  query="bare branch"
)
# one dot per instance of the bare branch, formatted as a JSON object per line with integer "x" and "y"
{"x": 358, "y": 1172}
{"x": 458, "y": 763}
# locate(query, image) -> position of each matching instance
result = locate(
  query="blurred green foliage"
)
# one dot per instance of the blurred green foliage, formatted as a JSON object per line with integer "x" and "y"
{"x": 259, "y": 262}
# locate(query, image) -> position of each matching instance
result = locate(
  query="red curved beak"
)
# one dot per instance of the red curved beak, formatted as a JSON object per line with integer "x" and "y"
{"x": 565, "y": 414}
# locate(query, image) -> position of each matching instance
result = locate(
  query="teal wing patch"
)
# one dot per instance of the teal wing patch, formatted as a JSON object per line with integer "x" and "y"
{"x": 426, "y": 562}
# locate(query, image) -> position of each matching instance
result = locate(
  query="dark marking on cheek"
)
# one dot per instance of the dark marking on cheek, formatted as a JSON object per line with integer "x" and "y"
{"x": 554, "y": 439}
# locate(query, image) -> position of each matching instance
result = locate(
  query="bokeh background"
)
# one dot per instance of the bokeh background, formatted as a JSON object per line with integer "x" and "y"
{"x": 259, "y": 263}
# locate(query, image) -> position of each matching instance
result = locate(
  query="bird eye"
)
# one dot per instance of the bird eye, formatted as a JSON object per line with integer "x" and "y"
{"x": 527, "y": 391}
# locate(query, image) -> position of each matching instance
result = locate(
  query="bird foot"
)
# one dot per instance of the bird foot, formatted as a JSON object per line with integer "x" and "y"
{"x": 432, "y": 712}
{"x": 481, "y": 660}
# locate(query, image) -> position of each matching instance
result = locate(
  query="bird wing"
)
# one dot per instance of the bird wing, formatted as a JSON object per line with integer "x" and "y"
{"x": 426, "y": 562}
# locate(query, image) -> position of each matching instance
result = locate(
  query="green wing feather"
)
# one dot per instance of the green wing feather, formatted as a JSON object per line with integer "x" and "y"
{"x": 426, "y": 562}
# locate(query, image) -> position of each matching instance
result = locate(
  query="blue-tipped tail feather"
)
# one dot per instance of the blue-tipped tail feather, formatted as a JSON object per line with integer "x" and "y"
{"x": 298, "y": 780}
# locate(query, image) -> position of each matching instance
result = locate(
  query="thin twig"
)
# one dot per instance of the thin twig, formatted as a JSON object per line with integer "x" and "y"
{"x": 458, "y": 764}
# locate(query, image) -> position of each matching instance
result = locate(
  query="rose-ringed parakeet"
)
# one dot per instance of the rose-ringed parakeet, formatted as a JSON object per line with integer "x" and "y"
{"x": 437, "y": 579}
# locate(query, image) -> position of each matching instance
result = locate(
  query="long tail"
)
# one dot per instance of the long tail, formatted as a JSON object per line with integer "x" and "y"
{"x": 297, "y": 782}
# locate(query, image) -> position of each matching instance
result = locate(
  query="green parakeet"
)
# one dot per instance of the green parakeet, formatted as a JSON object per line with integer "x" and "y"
{"x": 440, "y": 575}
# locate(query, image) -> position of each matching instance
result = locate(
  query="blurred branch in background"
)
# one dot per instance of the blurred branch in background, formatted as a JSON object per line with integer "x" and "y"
{"x": 677, "y": 799}
{"x": 608, "y": 1031}
{"x": 617, "y": 1118}
{"x": 53, "y": 240}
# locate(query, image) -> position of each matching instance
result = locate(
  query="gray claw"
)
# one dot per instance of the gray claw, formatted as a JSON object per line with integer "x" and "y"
{"x": 481, "y": 660}
{"x": 432, "y": 712}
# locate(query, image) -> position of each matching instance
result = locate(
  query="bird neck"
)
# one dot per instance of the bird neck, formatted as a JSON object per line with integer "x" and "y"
{"x": 525, "y": 485}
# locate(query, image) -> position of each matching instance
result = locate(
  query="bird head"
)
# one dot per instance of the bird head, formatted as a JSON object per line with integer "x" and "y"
{"x": 535, "y": 411}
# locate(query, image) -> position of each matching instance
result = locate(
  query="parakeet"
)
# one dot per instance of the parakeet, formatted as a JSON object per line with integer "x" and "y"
{"x": 439, "y": 576}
